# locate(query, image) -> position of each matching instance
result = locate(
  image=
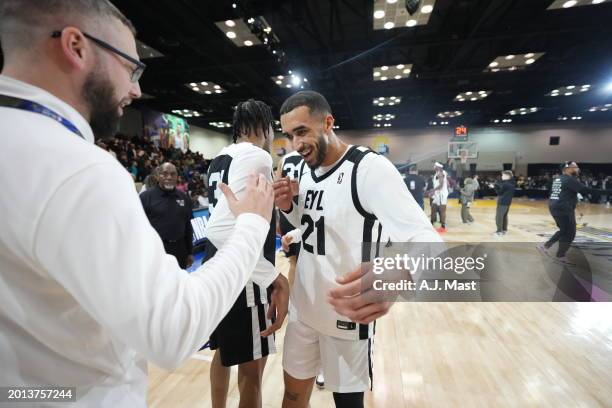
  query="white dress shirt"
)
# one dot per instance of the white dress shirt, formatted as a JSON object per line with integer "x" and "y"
{"x": 88, "y": 294}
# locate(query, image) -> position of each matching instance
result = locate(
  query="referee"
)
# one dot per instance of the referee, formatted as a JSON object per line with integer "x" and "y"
{"x": 563, "y": 199}
{"x": 169, "y": 212}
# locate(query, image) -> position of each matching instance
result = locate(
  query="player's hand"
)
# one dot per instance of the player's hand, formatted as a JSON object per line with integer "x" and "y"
{"x": 351, "y": 301}
{"x": 286, "y": 240}
{"x": 279, "y": 305}
{"x": 284, "y": 190}
{"x": 258, "y": 198}
{"x": 189, "y": 261}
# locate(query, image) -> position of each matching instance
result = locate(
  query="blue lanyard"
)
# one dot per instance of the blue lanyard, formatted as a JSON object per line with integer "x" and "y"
{"x": 23, "y": 104}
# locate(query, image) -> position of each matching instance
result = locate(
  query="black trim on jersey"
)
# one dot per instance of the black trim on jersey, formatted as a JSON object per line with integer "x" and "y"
{"x": 370, "y": 365}
{"x": 295, "y": 160}
{"x": 356, "y": 156}
{"x": 378, "y": 240}
{"x": 333, "y": 169}
{"x": 265, "y": 350}
{"x": 368, "y": 224}
{"x": 241, "y": 302}
{"x": 269, "y": 249}
{"x": 364, "y": 332}
{"x": 218, "y": 164}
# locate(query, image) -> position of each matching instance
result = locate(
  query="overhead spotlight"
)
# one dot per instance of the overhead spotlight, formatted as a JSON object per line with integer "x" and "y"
{"x": 230, "y": 23}
{"x": 231, "y": 34}
{"x": 509, "y": 57}
{"x": 378, "y": 14}
{"x": 389, "y": 25}
{"x": 426, "y": 9}
{"x": 391, "y": 1}
{"x": 493, "y": 64}
{"x": 570, "y": 3}
{"x": 296, "y": 80}
{"x": 248, "y": 43}
{"x": 411, "y": 23}
{"x": 608, "y": 87}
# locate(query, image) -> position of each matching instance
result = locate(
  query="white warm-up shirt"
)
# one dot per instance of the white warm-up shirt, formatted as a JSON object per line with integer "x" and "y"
{"x": 88, "y": 294}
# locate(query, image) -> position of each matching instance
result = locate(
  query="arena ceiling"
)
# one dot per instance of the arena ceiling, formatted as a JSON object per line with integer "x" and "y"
{"x": 453, "y": 61}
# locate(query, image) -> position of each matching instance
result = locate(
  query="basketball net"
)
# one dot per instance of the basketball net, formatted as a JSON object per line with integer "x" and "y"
{"x": 463, "y": 156}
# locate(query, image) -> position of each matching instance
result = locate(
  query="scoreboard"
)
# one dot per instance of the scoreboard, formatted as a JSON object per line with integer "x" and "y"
{"x": 461, "y": 133}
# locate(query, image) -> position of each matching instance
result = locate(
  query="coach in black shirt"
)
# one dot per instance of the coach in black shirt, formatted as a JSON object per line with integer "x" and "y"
{"x": 416, "y": 185}
{"x": 562, "y": 203}
{"x": 169, "y": 212}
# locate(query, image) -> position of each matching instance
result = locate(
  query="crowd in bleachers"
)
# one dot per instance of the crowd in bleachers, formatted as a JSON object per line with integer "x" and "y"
{"x": 141, "y": 158}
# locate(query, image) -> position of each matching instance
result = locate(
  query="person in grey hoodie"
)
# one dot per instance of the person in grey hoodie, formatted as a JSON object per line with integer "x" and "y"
{"x": 467, "y": 197}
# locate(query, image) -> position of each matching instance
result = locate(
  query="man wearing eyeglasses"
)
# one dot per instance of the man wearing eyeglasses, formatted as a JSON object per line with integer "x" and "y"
{"x": 88, "y": 294}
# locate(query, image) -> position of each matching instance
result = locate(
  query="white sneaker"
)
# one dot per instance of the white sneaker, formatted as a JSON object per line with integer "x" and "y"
{"x": 320, "y": 381}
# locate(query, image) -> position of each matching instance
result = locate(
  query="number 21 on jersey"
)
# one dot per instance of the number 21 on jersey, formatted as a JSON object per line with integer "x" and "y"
{"x": 313, "y": 202}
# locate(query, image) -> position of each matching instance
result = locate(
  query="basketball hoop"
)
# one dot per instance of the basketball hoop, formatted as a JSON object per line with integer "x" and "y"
{"x": 463, "y": 155}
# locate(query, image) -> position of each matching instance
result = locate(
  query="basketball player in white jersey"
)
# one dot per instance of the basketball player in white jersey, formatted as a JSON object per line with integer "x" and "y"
{"x": 346, "y": 194}
{"x": 439, "y": 197}
{"x": 243, "y": 337}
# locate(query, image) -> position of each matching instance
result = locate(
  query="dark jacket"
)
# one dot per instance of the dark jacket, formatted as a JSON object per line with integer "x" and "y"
{"x": 505, "y": 192}
{"x": 170, "y": 213}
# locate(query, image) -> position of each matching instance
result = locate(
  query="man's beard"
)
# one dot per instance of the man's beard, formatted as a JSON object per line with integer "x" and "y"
{"x": 321, "y": 152}
{"x": 99, "y": 96}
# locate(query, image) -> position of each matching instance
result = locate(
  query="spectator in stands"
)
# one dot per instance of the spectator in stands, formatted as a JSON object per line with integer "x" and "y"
{"x": 182, "y": 185}
{"x": 134, "y": 170}
{"x": 505, "y": 192}
{"x": 169, "y": 212}
{"x": 467, "y": 197}
{"x": 150, "y": 181}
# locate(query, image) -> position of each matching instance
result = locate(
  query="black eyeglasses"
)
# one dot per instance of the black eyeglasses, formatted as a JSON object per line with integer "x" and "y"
{"x": 136, "y": 72}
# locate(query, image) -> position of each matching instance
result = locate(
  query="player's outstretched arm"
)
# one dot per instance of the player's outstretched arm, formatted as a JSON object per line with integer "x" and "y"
{"x": 139, "y": 294}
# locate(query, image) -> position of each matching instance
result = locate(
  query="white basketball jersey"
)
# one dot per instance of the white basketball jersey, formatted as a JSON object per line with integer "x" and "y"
{"x": 333, "y": 225}
{"x": 441, "y": 180}
{"x": 291, "y": 165}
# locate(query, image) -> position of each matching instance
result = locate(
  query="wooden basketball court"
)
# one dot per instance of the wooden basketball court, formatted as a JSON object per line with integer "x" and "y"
{"x": 462, "y": 354}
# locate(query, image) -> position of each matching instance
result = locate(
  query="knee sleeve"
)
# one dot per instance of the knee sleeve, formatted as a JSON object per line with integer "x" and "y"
{"x": 348, "y": 399}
